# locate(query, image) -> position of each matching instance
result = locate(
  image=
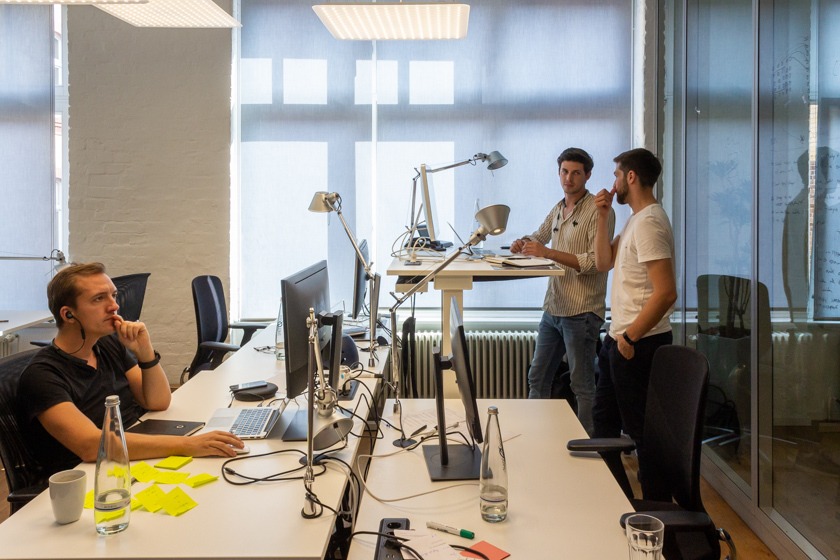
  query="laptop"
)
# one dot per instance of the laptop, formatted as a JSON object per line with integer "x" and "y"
{"x": 472, "y": 250}
{"x": 247, "y": 422}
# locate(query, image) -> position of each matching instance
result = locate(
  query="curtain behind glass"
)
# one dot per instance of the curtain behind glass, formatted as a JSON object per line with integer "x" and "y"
{"x": 531, "y": 79}
{"x": 26, "y": 167}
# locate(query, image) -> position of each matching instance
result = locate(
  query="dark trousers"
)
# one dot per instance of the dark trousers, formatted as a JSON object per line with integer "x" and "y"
{"x": 621, "y": 392}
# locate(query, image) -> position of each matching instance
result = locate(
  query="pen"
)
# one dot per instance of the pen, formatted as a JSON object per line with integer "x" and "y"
{"x": 451, "y": 530}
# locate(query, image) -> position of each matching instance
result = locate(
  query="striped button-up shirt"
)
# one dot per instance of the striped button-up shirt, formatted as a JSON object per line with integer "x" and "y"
{"x": 575, "y": 292}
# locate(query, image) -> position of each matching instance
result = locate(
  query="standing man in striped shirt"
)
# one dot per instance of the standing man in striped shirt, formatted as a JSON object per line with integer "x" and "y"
{"x": 574, "y": 304}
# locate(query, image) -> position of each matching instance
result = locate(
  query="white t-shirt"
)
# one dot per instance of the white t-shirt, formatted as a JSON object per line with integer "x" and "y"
{"x": 647, "y": 236}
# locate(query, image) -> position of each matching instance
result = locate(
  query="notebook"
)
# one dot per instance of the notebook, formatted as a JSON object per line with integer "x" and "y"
{"x": 156, "y": 426}
{"x": 247, "y": 422}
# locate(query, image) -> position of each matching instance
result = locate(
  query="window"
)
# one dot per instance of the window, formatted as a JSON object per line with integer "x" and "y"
{"x": 27, "y": 171}
{"x": 358, "y": 118}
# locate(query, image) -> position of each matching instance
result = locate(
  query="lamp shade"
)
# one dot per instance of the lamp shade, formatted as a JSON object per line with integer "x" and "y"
{"x": 329, "y": 430}
{"x": 496, "y": 161}
{"x": 323, "y": 202}
{"x": 492, "y": 221}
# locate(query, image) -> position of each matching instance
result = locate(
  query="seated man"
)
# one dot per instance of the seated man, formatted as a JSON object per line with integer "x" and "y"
{"x": 95, "y": 354}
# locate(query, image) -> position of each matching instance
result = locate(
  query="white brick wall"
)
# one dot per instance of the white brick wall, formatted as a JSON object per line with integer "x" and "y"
{"x": 150, "y": 162}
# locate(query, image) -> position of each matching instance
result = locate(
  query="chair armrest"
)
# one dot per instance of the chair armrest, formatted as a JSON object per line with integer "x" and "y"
{"x": 677, "y": 520}
{"x": 219, "y": 346}
{"x": 248, "y": 325}
{"x": 248, "y": 329}
{"x": 602, "y": 445}
{"x": 22, "y": 496}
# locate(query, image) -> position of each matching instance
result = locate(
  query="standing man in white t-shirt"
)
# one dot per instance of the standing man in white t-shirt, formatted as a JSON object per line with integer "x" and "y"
{"x": 643, "y": 295}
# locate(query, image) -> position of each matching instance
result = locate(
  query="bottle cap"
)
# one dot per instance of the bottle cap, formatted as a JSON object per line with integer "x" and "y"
{"x": 492, "y": 410}
{"x": 111, "y": 400}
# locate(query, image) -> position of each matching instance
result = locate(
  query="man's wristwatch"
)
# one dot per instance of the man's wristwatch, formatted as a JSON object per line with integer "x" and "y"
{"x": 628, "y": 340}
{"x": 150, "y": 364}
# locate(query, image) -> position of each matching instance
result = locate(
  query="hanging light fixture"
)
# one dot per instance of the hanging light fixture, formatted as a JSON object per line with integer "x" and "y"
{"x": 383, "y": 21}
{"x": 172, "y": 13}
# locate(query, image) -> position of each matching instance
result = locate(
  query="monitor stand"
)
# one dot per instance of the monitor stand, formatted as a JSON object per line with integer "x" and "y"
{"x": 297, "y": 428}
{"x": 464, "y": 462}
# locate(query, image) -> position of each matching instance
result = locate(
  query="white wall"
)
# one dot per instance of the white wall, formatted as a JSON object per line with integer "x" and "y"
{"x": 150, "y": 162}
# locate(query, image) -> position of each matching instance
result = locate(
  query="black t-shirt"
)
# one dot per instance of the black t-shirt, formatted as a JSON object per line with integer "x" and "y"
{"x": 54, "y": 377}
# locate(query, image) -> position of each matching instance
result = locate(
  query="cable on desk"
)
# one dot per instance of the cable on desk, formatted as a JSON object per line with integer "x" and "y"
{"x": 277, "y": 477}
{"x": 391, "y": 541}
{"x": 470, "y": 550}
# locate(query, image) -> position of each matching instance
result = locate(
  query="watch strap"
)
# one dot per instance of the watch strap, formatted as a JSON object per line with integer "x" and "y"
{"x": 628, "y": 340}
{"x": 150, "y": 364}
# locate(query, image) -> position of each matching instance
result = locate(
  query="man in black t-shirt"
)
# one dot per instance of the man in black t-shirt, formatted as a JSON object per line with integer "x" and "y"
{"x": 95, "y": 354}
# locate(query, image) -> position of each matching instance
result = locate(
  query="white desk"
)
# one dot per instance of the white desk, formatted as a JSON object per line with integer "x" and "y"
{"x": 560, "y": 506}
{"x": 19, "y": 320}
{"x": 453, "y": 280}
{"x": 256, "y": 521}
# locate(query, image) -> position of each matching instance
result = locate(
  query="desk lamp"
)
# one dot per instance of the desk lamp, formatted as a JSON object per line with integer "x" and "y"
{"x": 492, "y": 221}
{"x": 330, "y": 426}
{"x": 56, "y": 255}
{"x": 331, "y": 202}
{"x": 494, "y": 160}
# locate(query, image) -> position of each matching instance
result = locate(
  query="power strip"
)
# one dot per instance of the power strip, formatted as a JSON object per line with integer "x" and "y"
{"x": 388, "y": 525}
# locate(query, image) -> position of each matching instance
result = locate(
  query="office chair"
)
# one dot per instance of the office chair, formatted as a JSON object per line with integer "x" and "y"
{"x": 131, "y": 291}
{"x": 670, "y": 465}
{"x": 25, "y": 476}
{"x": 211, "y": 320}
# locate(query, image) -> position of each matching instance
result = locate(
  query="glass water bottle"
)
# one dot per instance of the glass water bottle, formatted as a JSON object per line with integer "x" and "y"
{"x": 112, "y": 488}
{"x": 493, "y": 486}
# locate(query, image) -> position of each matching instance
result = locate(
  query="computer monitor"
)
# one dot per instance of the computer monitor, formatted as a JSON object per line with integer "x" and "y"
{"x": 360, "y": 281}
{"x": 309, "y": 288}
{"x": 459, "y": 462}
{"x": 428, "y": 229}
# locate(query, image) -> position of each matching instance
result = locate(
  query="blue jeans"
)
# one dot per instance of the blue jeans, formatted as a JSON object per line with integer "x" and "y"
{"x": 576, "y": 337}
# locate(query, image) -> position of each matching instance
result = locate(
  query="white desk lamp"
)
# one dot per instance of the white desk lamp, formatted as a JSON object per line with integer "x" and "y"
{"x": 492, "y": 221}
{"x": 494, "y": 160}
{"x": 56, "y": 255}
{"x": 331, "y": 202}
{"x": 329, "y": 427}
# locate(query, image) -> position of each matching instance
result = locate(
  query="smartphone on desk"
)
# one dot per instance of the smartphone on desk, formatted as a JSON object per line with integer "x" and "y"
{"x": 247, "y": 386}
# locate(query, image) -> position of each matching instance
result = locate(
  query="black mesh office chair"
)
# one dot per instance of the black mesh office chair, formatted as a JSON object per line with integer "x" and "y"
{"x": 211, "y": 319}
{"x": 25, "y": 476}
{"x": 670, "y": 467}
{"x": 131, "y": 291}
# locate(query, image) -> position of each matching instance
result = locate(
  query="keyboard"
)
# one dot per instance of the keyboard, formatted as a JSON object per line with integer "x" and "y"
{"x": 251, "y": 421}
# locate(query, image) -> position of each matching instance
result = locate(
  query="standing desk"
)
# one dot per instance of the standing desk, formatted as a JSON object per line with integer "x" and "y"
{"x": 454, "y": 279}
{"x": 19, "y": 320}
{"x": 257, "y": 521}
{"x": 560, "y": 506}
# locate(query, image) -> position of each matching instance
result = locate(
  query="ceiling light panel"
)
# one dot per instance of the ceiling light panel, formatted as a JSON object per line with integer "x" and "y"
{"x": 71, "y": 2}
{"x": 173, "y": 13}
{"x": 394, "y": 21}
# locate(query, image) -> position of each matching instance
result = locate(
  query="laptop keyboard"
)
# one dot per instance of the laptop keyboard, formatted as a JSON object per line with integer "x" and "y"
{"x": 251, "y": 421}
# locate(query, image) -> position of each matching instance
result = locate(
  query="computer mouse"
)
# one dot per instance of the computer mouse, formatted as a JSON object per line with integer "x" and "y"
{"x": 244, "y": 450}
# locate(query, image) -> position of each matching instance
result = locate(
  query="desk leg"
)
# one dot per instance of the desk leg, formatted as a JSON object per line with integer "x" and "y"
{"x": 450, "y": 388}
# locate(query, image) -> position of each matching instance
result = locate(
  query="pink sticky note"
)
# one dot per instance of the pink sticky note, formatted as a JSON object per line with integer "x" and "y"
{"x": 487, "y": 549}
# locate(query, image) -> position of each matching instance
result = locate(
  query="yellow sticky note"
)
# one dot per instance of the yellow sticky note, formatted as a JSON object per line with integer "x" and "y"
{"x": 151, "y": 498}
{"x": 171, "y": 477}
{"x": 119, "y": 472}
{"x": 200, "y": 480}
{"x": 143, "y": 472}
{"x": 89, "y": 500}
{"x": 178, "y": 502}
{"x": 174, "y": 462}
{"x": 135, "y": 503}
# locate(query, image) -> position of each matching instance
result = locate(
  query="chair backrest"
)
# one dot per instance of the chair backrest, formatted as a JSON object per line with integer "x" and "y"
{"x": 676, "y": 398}
{"x": 131, "y": 290}
{"x": 22, "y": 470}
{"x": 211, "y": 318}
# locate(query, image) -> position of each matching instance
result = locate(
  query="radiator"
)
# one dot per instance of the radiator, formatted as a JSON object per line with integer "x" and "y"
{"x": 499, "y": 362}
{"x": 8, "y": 345}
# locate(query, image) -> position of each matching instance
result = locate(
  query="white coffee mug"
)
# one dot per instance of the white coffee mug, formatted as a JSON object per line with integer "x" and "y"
{"x": 67, "y": 494}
